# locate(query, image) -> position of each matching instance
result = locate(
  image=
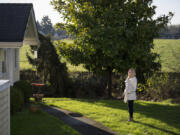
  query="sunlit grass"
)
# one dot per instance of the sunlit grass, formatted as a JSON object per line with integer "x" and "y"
{"x": 151, "y": 118}
{"x": 169, "y": 51}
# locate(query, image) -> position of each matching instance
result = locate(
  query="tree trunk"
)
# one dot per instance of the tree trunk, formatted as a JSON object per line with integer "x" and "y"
{"x": 109, "y": 82}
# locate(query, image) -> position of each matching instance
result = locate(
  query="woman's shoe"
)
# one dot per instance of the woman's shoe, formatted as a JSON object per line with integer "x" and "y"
{"x": 130, "y": 120}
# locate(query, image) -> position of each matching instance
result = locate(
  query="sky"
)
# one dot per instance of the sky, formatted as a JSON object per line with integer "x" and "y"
{"x": 43, "y": 7}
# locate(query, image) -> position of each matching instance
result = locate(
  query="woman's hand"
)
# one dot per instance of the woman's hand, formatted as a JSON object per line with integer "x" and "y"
{"x": 124, "y": 92}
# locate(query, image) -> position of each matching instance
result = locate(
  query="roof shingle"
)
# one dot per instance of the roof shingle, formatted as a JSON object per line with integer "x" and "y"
{"x": 13, "y": 21}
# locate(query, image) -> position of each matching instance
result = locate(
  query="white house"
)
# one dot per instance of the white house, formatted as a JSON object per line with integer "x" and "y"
{"x": 17, "y": 28}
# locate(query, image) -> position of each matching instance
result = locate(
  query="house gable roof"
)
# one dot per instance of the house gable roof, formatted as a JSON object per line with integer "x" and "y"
{"x": 13, "y": 21}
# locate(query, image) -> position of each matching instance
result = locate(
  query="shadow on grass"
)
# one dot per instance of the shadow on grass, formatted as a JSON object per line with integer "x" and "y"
{"x": 75, "y": 114}
{"x": 151, "y": 126}
{"x": 81, "y": 126}
{"x": 165, "y": 113}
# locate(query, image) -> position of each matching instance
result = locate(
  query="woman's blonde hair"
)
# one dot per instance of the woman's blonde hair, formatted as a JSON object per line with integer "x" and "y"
{"x": 132, "y": 69}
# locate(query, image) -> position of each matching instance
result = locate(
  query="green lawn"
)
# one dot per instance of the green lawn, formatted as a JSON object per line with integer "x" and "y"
{"x": 40, "y": 123}
{"x": 152, "y": 118}
{"x": 169, "y": 51}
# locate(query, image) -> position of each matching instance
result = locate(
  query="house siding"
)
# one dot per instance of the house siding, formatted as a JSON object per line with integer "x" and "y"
{"x": 0, "y": 63}
{"x": 4, "y": 108}
{"x": 4, "y": 76}
{"x": 12, "y": 73}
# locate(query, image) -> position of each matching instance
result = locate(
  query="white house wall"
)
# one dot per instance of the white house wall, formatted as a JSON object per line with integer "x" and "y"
{"x": 0, "y": 64}
{"x": 12, "y": 73}
{"x": 4, "y": 76}
{"x": 4, "y": 107}
{"x": 16, "y": 73}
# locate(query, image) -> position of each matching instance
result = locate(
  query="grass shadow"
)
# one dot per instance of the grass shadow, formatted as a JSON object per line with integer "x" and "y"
{"x": 166, "y": 113}
{"x": 151, "y": 126}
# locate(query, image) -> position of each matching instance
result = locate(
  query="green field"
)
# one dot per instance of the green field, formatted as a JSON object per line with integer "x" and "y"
{"x": 24, "y": 64}
{"x": 169, "y": 51}
{"x": 39, "y": 123}
{"x": 151, "y": 118}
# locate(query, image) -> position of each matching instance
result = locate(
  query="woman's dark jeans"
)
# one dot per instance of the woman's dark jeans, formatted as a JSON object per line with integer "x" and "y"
{"x": 130, "y": 108}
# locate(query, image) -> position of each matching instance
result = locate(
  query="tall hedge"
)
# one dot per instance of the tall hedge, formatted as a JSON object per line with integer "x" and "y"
{"x": 49, "y": 67}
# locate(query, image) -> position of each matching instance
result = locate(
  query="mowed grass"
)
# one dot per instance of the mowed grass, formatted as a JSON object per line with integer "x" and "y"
{"x": 40, "y": 123}
{"x": 169, "y": 51}
{"x": 150, "y": 118}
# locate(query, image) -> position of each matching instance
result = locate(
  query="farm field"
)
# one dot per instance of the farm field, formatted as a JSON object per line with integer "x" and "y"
{"x": 169, "y": 51}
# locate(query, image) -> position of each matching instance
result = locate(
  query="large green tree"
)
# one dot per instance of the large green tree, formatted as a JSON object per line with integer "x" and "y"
{"x": 111, "y": 35}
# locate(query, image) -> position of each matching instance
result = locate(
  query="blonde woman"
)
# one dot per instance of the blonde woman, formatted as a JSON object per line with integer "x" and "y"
{"x": 130, "y": 91}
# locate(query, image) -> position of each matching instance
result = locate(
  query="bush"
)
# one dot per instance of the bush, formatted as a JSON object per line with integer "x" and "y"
{"x": 88, "y": 87}
{"x": 26, "y": 88}
{"x": 159, "y": 87}
{"x": 16, "y": 100}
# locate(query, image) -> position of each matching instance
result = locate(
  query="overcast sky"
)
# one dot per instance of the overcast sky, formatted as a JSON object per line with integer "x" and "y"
{"x": 43, "y": 7}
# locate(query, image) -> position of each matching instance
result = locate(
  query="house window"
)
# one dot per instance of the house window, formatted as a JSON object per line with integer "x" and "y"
{"x": 16, "y": 58}
{"x": 4, "y": 60}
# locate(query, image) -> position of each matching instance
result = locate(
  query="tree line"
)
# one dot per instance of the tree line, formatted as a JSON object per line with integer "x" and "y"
{"x": 45, "y": 27}
{"x": 170, "y": 32}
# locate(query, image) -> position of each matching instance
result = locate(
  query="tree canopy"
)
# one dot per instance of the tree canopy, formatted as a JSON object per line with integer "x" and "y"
{"x": 111, "y": 35}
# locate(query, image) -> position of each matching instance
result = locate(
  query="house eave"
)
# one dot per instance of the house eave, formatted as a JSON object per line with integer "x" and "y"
{"x": 35, "y": 40}
{"x": 29, "y": 37}
{"x": 11, "y": 44}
